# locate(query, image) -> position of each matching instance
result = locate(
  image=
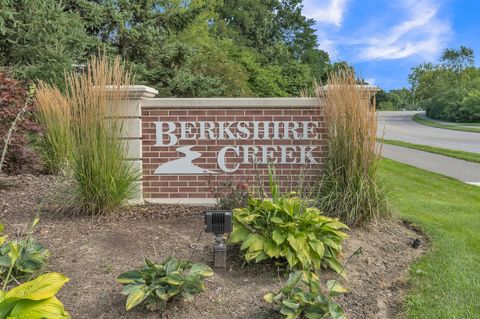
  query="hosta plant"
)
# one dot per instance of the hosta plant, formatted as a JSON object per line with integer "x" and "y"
{"x": 156, "y": 284}
{"x": 302, "y": 297}
{"x": 34, "y": 299}
{"x": 285, "y": 228}
{"x": 20, "y": 259}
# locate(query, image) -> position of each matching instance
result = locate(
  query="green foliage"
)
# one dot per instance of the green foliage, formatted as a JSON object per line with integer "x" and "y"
{"x": 20, "y": 259}
{"x": 302, "y": 297}
{"x": 393, "y": 100}
{"x": 458, "y": 60}
{"x": 155, "y": 284}
{"x": 182, "y": 48}
{"x": 26, "y": 257}
{"x": 285, "y": 228}
{"x": 34, "y": 299}
{"x": 449, "y": 90}
{"x": 39, "y": 39}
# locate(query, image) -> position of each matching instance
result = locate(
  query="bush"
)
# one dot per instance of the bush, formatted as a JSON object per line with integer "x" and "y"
{"x": 471, "y": 106}
{"x": 34, "y": 299}
{"x": 15, "y": 101}
{"x": 448, "y": 91}
{"x": 285, "y": 228}
{"x": 349, "y": 187}
{"x": 155, "y": 284}
{"x": 103, "y": 180}
{"x": 230, "y": 196}
{"x": 302, "y": 297}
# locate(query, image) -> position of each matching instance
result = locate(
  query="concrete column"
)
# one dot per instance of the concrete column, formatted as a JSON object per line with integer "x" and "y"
{"x": 130, "y": 111}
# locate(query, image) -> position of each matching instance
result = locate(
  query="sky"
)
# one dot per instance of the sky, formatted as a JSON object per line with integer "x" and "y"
{"x": 385, "y": 39}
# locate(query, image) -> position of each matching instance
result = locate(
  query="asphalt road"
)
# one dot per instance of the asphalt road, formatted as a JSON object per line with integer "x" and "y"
{"x": 399, "y": 126}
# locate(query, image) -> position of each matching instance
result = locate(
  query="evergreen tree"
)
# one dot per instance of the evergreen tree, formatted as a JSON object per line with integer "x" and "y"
{"x": 39, "y": 39}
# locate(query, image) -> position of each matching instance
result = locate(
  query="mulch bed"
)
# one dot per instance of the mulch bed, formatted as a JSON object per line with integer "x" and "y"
{"x": 92, "y": 252}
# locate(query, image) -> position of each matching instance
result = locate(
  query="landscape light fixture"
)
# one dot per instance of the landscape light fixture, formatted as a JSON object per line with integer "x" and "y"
{"x": 219, "y": 222}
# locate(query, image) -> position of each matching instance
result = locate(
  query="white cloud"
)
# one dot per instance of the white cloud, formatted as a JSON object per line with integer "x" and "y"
{"x": 326, "y": 11}
{"x": 328, "y": 46}
{"x": 421, "y": 33}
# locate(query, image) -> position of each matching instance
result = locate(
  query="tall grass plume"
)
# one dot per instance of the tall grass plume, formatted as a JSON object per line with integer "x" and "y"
{"x": 349, "y": 187}
{"x": 86, "y": 118}
{"x": 54, "y": 116}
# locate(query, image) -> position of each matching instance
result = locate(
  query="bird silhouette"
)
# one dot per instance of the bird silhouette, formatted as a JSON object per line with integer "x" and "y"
{"x": 183, "y": 165}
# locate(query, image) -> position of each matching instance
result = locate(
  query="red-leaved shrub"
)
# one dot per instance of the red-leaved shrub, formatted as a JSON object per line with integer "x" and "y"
{"x": 20, "y": 157}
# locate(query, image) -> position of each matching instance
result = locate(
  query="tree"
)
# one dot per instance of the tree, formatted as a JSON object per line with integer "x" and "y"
{"x": 397, "y": 99}
{"x": 284, "y": 41}
{"x": 39, "y": 40}
{"x": 180, "y": 47}
{"x": 448, "y": 90}
{"x": 458, "y": 60}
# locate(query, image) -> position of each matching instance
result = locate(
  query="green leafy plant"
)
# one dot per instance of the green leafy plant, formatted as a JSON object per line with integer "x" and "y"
{"x": 155, "y": 284}
{"x": 285, "y": 227}
{"x": 20, "y": 259}
{"x": 27, "y": 257}
{"x": 34, "y": 299}
{"x": 302, "y": 297}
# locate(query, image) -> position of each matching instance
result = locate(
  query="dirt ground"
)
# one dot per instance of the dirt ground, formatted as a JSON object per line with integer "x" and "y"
{"x": 93, "y": 252}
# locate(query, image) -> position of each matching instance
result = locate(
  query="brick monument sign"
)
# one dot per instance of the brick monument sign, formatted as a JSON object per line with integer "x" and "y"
{"x": 185, "y": 146}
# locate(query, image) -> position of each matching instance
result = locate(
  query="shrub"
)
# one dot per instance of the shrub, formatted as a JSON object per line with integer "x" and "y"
{"x": 449, "y": 90}
{"x": 15, "y": 124}
{"x": 286, "y": 228}
{"x": 230, "y": 196}
{"x": 302, "y": 297}
{"x": 155, "y": 284}
{"x": 349, "y": 187}
{"x": 103, "y": 180}
{"x": 34, "y": 299}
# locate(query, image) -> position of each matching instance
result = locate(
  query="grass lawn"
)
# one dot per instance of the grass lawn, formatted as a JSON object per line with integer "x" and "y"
{"x": 465, "y": 127}
{"x": 446, "y": 281}
{"x": 466, "y": 156}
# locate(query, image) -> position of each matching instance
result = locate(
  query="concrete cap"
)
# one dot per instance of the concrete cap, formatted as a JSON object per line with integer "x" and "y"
{"x": 135, "y": 91}
{"x": 254, "y": 103}
{"x": 366, "y": 87}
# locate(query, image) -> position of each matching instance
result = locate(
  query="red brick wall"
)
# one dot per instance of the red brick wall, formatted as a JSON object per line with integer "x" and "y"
{"x": 199, "y": 186}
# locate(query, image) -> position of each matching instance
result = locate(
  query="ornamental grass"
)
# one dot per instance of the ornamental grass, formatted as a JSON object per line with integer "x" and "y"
{"x": 83, "y": 135}
{"x": 349, "y": 187}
